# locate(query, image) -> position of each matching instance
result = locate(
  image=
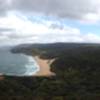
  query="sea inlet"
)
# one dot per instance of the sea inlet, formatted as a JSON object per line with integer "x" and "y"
{"x": 16, "y": 64}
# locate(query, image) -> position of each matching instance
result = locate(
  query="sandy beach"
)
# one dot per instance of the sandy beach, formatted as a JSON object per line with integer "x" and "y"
{"x": 1, "y": 77}
{"x": 44, "y": 67}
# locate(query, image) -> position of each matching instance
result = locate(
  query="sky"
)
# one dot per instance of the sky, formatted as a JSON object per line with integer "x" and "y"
{"x": 49, "y": 21}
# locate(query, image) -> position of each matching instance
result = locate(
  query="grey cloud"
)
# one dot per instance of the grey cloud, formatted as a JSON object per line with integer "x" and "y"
{"x": 56, "y": 26}
{"x": 4, "y": 7}
{"x": 62, "y": 8}
{"x": 5, "y": 30}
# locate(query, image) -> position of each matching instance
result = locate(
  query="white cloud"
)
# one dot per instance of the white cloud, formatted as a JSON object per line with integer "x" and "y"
{"x": 21, "y": 30}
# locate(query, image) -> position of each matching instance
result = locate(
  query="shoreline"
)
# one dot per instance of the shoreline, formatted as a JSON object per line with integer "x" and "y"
{"x": 44, "y": 67}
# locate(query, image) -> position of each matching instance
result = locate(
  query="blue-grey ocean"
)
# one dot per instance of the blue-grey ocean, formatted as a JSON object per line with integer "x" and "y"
{"x": 16, "y": 64}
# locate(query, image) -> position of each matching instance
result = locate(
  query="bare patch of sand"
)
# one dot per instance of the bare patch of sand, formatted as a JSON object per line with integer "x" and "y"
{"x": 1, "y": 77}
{"x": 44, "y": 67}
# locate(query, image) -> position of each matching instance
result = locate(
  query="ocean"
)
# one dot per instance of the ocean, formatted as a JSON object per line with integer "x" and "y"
{"x": 17, "y": 64}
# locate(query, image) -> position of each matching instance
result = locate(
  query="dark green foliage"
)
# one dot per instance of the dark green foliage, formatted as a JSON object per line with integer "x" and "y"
{"x": 77, "y": 75}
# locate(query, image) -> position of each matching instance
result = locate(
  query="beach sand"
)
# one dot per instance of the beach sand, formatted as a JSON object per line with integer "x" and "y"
{"x": 44, "y": 67}
{"x": 1, "y": 77}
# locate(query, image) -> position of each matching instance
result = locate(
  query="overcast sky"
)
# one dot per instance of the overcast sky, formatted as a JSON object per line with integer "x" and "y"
{"x": 47, "y": 21}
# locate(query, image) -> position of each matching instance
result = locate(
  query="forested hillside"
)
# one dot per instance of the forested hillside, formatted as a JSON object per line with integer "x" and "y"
{"x": 77, "y": 68}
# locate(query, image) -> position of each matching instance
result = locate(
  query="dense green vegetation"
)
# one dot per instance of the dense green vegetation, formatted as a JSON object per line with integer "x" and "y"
{"x": 77, "y": 77}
